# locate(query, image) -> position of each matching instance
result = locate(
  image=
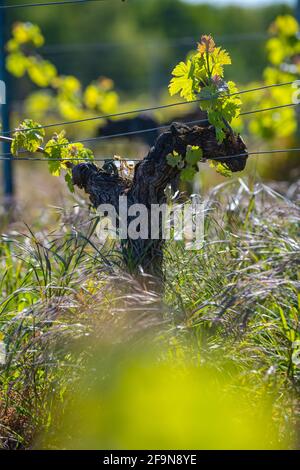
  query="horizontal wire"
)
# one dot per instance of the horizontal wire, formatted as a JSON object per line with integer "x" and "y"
{"x": 33, "y": 159}
{"x": 143, "y": 110}
{"x": 271, "y": 108}
{"x": 259, "y": 152}
{"x": 123, "y": 134}
{"x": 153, "y": 129}
{"x": 245, "y": 154}
{"x": 198, "y": 121}
{"x": 46, "y": 4}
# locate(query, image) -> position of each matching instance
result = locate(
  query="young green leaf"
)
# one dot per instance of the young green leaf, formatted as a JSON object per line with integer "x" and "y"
{"x": 193, "y": 155}
{"x": 69, "y": 181}
{"x": 188, "y": 173}
{"x": 222, "y": 169}
{"x": 57, "y": 150}
{"x": 201, "y": 76}
{"x": 174, "y": 160}
{"x": 182, "y": 82}
{"x": 29, "y": 136}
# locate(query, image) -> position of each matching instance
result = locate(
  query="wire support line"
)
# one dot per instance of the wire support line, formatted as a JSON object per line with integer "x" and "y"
{"x": 245, "y": 154}
{"x": 47, "y": 4}
{"x": 161, "y": 128}
{"x": 260, "y": 152}
{"x": 143, "y": 110}
{"x": 153, "y": 129}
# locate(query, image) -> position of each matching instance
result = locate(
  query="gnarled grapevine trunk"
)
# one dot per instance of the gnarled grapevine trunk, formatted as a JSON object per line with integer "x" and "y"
{"x": 151, "y": 177}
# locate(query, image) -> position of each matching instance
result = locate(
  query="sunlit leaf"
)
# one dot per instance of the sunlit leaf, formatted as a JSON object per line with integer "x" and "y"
{"x": 29, "y": 136}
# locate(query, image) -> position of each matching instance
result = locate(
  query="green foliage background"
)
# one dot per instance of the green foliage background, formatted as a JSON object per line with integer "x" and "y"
{"x": 141, "y": 41}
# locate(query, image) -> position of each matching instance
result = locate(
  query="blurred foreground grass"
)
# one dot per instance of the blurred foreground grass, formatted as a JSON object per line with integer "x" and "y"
{"x": 222, "y": 371}
{"x": 142, "y": 398}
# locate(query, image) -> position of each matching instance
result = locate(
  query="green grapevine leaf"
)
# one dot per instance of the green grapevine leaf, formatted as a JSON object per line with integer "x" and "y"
{"x": 29, "y": 136}
{"x": 193, "y": 155}
{"x": 182, "y": 81}
{"x": 209, "y": 96}
{"x": 201, "y": 76}
{"x": 174, "y": 160}
{"x": 69, "y": 181}
{"x": 222, "y": 169}
{"x": 79, "y": 152}
{"x": 218, "y": 59}
{"x": 57, "y": 149}
{"x": 188, "y": 173}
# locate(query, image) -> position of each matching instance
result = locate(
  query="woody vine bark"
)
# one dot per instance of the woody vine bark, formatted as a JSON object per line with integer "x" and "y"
{"x": 151, "y": 177}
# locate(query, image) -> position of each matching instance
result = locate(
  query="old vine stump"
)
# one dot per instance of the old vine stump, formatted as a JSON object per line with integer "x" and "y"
{"x": 151, "y": 177}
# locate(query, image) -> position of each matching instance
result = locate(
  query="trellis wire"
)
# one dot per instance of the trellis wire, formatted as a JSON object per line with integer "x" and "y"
{"x": 143, "y": 110}
{"x": 198, "y": 121}
{"x": 92, "y": 139}
{"x": 245, "y": 154}
{"x": 142, "y": 131}
{"x": 47, "y": 4}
